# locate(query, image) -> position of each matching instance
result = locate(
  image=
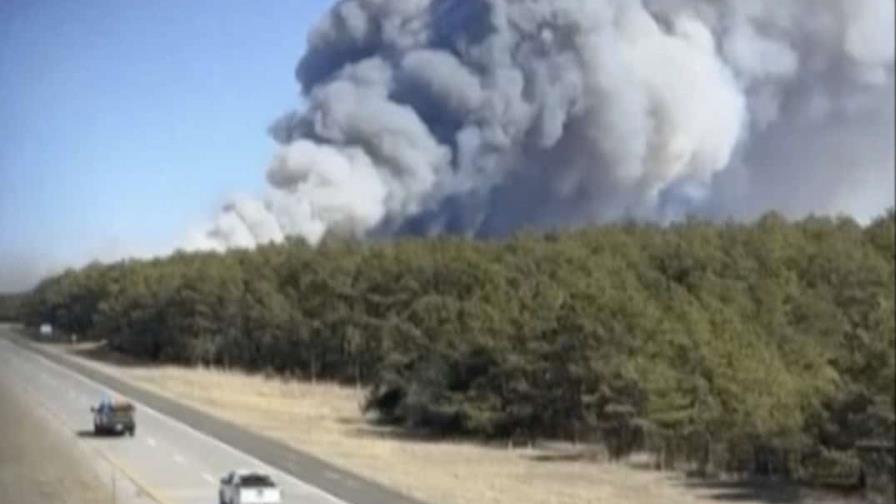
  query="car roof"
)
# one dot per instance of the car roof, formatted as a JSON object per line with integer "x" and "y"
{"x": 249, "y": 472}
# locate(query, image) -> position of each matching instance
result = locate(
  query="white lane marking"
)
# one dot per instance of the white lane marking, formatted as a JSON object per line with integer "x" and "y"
{"x": 178, "y": 424}
{"x": 177, "y": 458}
{"x": 151, "y": 442}
{"x": 208, "y": 477}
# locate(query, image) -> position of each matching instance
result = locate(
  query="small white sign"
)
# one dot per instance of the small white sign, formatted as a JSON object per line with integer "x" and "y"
{"x": 46, "y": 329}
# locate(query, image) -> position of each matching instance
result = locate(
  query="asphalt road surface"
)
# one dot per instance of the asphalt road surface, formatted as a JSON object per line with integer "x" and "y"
{"x": 178, "y": 452}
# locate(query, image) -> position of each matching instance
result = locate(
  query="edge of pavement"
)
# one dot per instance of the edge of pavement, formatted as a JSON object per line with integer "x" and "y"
{"x": 346, "y": 486}
{"x": 144, "y": 487}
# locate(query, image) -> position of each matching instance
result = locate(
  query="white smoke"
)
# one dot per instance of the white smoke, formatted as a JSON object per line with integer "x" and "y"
{"x": 481, "y": 116}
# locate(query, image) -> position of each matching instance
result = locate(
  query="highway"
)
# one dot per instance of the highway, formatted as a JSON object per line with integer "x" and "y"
{"x": 180, "y": 464}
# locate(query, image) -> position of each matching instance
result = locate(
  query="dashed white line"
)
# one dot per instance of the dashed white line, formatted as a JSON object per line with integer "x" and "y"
{"x": 177, "y": 458}
{"x": 151, "y": 442}
{"x": 208, "y": 477}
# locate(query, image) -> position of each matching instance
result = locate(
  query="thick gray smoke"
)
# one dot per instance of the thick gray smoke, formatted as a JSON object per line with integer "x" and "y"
{"x": 482, "y": 116}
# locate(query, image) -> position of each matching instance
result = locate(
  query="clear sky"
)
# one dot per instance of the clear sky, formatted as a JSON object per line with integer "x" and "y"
{"x": 125, "y": 123}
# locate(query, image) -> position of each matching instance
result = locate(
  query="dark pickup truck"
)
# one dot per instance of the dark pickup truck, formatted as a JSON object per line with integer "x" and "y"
{"x": 113, "y": 417}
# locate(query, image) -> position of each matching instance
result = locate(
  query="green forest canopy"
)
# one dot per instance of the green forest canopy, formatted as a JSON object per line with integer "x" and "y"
{"x": 701, "y": 342}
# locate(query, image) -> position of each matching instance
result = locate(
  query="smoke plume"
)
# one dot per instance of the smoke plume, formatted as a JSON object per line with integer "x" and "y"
{"x": 479, "y": 117}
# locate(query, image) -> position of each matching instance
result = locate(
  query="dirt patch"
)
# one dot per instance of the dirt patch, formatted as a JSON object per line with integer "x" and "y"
{"x": 325, "y": 420}
{"x": 37, "y": 465}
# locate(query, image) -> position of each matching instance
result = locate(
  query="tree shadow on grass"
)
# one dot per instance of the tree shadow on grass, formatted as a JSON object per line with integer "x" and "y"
{"x": 582, "y": 456}
{"x": 374, "y": 430}
{"x": 772, "y": 492}
{"x": 100, "y": 352}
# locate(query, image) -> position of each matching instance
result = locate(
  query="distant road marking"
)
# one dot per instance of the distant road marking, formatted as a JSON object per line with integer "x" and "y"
{"x": 208, "y": 477}
{"x": 178, "y": 459}
{"x": 151, "y": 442}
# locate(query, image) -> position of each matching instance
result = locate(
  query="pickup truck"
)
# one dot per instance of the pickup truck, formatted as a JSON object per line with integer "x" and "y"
{"x": 113, "y": 417}
{"x": 248, "y": 487}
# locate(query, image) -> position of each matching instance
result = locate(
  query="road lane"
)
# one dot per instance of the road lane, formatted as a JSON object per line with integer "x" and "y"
{"x": 177, "y": 462}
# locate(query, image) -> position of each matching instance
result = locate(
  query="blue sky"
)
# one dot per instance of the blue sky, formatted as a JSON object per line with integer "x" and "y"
{"x": 124, "y": 123}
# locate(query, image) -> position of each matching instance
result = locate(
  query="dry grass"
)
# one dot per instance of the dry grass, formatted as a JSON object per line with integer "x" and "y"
{"x": 325, "y": 420}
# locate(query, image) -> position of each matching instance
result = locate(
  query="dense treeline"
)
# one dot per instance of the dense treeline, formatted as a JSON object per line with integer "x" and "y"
{"x": 10, "y": 307}
{"x": 765, "y": 347}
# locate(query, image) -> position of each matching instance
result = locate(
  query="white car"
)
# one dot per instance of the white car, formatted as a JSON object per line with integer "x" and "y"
{"x": 248, "y": 487}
